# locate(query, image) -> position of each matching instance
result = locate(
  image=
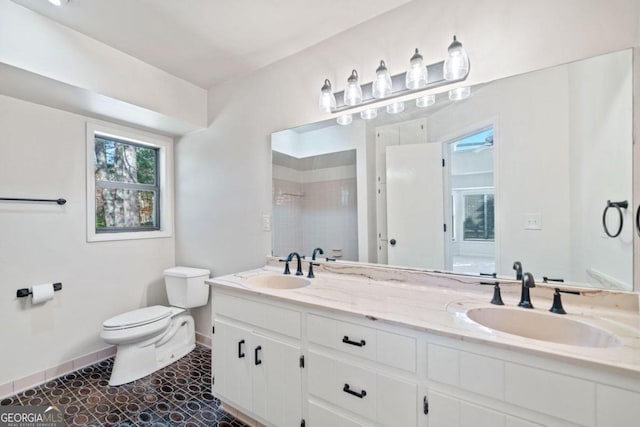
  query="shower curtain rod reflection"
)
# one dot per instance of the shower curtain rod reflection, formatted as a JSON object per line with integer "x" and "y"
{"x": 16, "y": 199}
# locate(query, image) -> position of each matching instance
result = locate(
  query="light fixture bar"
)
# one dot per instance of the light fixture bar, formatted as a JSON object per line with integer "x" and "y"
{"x": 436, "y": 79}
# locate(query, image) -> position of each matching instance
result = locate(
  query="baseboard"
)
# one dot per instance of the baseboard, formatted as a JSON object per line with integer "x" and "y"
{"x": 18, "y": 385}
{"x": 203, "y": 339}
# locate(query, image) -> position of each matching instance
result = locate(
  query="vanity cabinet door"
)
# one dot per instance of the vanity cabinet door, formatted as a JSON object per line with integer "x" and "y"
{"x": 232, "y": 366}
{"x": 319, "y": 416}
{"x": 277, "y": 386}
{"x": 258, "y": 374}
{"x": 617, "y": 407}
{"x": 448, "y": 411}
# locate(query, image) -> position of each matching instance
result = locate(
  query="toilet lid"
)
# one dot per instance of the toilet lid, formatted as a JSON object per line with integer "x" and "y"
{"x": 137, "y": 317}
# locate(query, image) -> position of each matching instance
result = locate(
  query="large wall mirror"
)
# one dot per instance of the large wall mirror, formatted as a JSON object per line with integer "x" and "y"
{"x": 521, "y": 170}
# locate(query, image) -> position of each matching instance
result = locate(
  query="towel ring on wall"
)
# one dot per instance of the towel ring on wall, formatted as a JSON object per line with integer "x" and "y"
{"x": 619, "y": 206}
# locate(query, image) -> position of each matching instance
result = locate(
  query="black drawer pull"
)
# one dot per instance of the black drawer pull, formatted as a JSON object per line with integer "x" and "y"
{"x": 240, "y": 352}
{"x": 346, "y": 340}
{"x": 255, "y": 354}
{"x": 346, "y": 389}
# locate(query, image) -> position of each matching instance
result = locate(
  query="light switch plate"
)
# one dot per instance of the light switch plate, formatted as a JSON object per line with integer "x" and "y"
{"x": 533, "y": 221}
{"x": 266, "y": 222}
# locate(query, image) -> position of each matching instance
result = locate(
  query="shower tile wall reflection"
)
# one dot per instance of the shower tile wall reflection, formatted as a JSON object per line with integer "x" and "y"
{"x": 315, "y": 204}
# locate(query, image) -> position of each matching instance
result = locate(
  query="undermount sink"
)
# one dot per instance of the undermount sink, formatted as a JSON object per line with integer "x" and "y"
{"x": 278, "y": 282}
{"x": 542, "y": 326}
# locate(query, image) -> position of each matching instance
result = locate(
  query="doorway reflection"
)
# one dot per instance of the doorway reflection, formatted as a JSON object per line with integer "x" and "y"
{"x": 471, "y": 247}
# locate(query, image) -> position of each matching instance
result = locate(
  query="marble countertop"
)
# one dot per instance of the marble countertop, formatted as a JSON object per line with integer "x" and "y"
{"x": 438, "y": 304}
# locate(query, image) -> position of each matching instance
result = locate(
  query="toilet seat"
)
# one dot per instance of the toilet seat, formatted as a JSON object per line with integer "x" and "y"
{"x": 139, "y": 317}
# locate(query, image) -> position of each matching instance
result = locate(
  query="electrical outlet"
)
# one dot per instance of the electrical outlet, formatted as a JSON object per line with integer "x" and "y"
{"x": 266, "y": 222}
{"x": 533, "y": 221}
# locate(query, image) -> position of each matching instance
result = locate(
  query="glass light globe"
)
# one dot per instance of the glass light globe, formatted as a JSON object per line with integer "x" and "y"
{"x": 416, "y": 77}
{"x": 382, "y": 84}
{"x": 425, "y": 101}
{"x": 459, "y": 93}
{"x": 327, "y": 100}
{"x": 353, "y": 92}
{"x": 395, "y": 108}
{"x": 456, "y": 65}
{"x": 372, "y": 113}
{"x": 345, "y": 120}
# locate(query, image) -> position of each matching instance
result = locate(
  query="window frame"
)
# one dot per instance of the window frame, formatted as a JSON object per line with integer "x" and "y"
{"x": 164, "y": 182}
{"x": 485, "y": 193}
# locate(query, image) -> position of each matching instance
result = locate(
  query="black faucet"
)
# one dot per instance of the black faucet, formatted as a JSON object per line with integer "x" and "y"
{"x": 289, "y": 258}
{"x": 527, "y": 283}
{"x": 286, "y": 266}
{"x": 557, "y": 307}
{"x": 316, "y": 251}
{"x": 310, "y": 275}
{"x": 517, "y": 266}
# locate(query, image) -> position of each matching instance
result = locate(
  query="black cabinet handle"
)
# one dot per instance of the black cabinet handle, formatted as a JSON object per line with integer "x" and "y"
{"x": 240, "y": 352}
{"x": 392, "y": 242}
{"x": 346, "y": 340}
{"x": 346, "y": 389}
{"x": 638, "y": 220}
{"x": 255, "y": 355}
{"x": 425, "y": 406}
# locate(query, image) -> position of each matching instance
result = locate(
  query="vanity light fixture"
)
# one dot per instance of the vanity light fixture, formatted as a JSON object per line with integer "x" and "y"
{"x": 395, "y": 108}
{"x": 345, "y": 119}
{"x": 327, "y": 101}
{"x": 459, "y": 93}
{"x": 417, "y": 76}
{"x": 382, "y": 86}
{"x": 353, "y": 93}
{"x": 369, "y": 114}
{"x": 425, "y": 101}
{"x": 456, "y": 65}
{"x": 58, "y": 2}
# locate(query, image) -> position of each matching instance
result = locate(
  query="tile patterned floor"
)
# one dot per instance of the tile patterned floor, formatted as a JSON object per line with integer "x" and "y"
{"x": 178, "y": 395}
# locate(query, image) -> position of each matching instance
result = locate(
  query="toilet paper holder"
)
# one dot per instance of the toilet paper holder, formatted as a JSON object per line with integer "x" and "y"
{"x": 25, "y": 292}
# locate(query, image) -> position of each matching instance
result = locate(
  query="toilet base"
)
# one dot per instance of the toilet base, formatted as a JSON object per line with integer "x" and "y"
{"x": 136, "y": 360}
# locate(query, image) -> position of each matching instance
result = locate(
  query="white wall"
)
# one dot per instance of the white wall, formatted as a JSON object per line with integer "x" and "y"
{"x": 43, "y": 156}
{"x": 79, "y": 73}
{"x": 600, "y": 110}
{"x": 224, "y": 172}
{"x": 530, "y": 118}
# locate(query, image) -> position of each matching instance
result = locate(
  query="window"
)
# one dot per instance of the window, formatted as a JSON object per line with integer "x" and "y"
{"x": 478, "y": 217}
{"x": 127, "y": 187}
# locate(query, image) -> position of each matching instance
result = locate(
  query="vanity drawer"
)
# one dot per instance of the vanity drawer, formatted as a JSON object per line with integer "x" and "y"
{"x": 266, "y": 316}
{"x": 388, "y": 348}
{"x": 389, "y": 401}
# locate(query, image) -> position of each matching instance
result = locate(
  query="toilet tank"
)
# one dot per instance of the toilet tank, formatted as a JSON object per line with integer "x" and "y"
{"x": 186, "y": 287}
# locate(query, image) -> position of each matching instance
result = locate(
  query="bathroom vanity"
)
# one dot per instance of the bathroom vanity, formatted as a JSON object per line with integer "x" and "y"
{"x": 365, "y": 345}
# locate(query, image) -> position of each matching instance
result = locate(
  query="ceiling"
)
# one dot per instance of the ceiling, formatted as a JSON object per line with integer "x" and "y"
{"x": 209, "y": 41}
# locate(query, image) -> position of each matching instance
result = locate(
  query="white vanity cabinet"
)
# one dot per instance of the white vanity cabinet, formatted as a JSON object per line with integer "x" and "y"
{"x": 256, "y": 359}
{"x": 362, "y": 372}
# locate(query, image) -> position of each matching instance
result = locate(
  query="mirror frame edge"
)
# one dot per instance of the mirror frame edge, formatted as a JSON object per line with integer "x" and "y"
{"x": 636, "y": 166}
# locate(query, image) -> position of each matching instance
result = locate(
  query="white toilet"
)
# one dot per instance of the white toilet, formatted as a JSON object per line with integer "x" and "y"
{"x": 151, "y": 338}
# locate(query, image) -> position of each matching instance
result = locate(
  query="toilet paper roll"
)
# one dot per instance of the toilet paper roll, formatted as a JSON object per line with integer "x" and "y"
{"x": 42, "y": 293}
